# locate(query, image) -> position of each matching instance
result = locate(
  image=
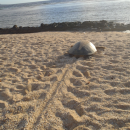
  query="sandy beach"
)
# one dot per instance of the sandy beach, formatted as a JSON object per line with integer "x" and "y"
{"x": 42, "y": 88}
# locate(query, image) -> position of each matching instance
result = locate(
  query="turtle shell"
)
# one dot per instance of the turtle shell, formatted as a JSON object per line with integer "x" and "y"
{"x": 83, "y": 48}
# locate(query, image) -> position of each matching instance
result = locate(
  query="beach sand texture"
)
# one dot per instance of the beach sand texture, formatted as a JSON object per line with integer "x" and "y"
{"x": 43, "y": 89}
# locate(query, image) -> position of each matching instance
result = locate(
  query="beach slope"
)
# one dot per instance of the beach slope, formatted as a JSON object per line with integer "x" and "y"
{"x": 43, "y": 88}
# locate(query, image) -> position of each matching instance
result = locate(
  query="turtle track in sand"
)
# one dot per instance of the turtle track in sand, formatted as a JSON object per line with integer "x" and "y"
{"x": 44, "y": 104}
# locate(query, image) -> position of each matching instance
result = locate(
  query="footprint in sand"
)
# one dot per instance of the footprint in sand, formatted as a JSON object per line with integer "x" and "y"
{"x": 35, "y": 86}
{"x": 127, "y": 84}
{"x": 5, "y": 94}
{"x": 124, "y": 91}
{"x": 49, "y": 72}
{"x": 110, "y": 77}
{"x": 119, "y": 69}
{"x": 75, "y": 82}
{"x": 122, "y": 106}
{"x": 32, "y": 66}
{"x": 2, "y": 104}
{"x": 20, "y": 89}
{"x": 110, "y": 91}
{"x": 35, "y": 96}
{"x": 95, "y": 99}
{"x": 3, "y": 58}
{"x": 115, "y": 83}
{"x": 86, "y": 63}
{"x": 77, "y": 92}
{"x": 117, "y": 122}
{"x": 14, "y": 69}
{"x": 77, "y": 73}
{"x": 114, "y": 61}
{"x": 54, "y": 78}
{"x": 81, "y": 68}
{"x": 74, "y": 105}
{"x": 109, "y": 67}
{"x": 81, "y": 127}
{"x": 126, "y": 57}
{"x": 22, "y": 123}
{"x": 70, "y": 120}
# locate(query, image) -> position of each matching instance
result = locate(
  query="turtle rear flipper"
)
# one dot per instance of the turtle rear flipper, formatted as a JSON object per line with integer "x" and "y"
{"x": 100, "y": 48}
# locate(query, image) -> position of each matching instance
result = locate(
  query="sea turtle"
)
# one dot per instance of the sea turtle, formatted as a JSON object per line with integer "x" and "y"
{"x": 83, "y": 48}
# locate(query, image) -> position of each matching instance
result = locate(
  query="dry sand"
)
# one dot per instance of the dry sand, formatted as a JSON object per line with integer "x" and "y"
{"x": 43, "y": 89}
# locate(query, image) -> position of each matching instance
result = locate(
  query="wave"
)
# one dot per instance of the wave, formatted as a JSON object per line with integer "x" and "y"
{"x": 24, "y": 4}
{"x": 33, "y": 3}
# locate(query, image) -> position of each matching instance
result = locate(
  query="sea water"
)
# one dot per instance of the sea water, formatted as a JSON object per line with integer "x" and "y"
{"x": 50, "y": 11}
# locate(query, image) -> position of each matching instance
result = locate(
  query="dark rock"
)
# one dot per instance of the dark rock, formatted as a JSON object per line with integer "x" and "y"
{"x": 72, "y": 25}
{"x": 103, "y": 22}
{"x": 62, "y": 26}
{"x": 128, "y": 26}
{"x": 87, "y": 24}
{"x": 42, "y": 25}
{"x": 102, "y": 25}
{"x": 110, "y": 24}
{"x": 119, "y": 27}
{"x": 15, "y": 27}
{"x": 20, "y": 27}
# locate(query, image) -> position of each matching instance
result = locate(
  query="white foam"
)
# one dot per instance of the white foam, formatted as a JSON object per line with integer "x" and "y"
{"x": 127, "y": 31}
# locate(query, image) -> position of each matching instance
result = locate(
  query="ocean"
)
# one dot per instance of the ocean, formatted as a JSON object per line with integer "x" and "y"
{"x": 50, "y": 11}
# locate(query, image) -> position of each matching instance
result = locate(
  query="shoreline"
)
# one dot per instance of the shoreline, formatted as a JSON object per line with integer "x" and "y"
{"x": 97, "y": 26}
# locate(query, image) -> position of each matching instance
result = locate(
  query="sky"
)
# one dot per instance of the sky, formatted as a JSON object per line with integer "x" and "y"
{"x": 17, "y": 1}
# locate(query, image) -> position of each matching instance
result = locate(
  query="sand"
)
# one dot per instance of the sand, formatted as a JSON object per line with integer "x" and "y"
{"x": 41, "y": 88}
